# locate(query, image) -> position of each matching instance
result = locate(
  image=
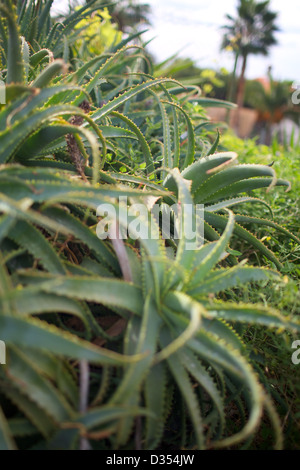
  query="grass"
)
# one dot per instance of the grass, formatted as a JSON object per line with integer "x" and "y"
{"x": 272, "y": 351}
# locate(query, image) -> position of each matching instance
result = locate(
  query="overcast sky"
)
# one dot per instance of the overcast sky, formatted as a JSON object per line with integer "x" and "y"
{"x": 192, "y": 28}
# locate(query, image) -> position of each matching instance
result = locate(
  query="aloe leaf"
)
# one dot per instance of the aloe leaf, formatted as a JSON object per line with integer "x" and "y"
{"x": 25, "y": 57}
{"x": 38, "y": 57}
{"x": 190, "y": 154}
{"x": 39, "y": 335}
{"x": 5, "y": 287}
{"x": 6, "y": 225}
{"x": 85, "y": 234}
{"x": 214, "y": 146}
{"x": 145, "y": 147}
{"x": 155, "y": 401}
{"x": 218, "y": 181}
{"x": 128, "y": 39}
{"x": 167, "y": 154}
{"x": 178, "y": 301}
{"x": 222, "y": 279}
{"x": 255, "y": 314}
{"x": 29, "y": 301}
{"x": 121, "y": 99}
{"x": 15, "y": 64}
{"x": 236, "y": 201}
{"x": 201, "y": 375}
{"x": 22, "y": 427}
{"x": 188, "y": 221}
{"x": 26, "y": 105}
{"x": 184, "y": 384}
{"x": 197, "y": 171}
{"x": 30, "y": 238}
{"x": 142, "y": 337}
{"x": 247, "y": 376}
{"x": 244, "y": 186}
{"x": 23, "y": 130}
{"x": 59, "y": 372}
{"x": 45, "y": 77}
{"x": 268, "y": 223}
{"x": 44, "y": 15}
{"x": 58, "y": 190}
{"x": 36, "y": 387}
{"x": 219, "y": 222}
{"x": 105, "y": 417}
{"x": 215, "y": 254}
{"x": 37, "y": 416}
{"x": 213, "y": 103}
{"x": 106, "y": 291}
{"x": 97, "y": 78}
{"x": 6, "y": 437}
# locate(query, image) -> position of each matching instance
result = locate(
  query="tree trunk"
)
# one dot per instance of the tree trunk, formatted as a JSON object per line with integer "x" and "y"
{"x": 241, "y": 87}
{"x": 232, "y": 85}
{"x": 240, "y": 95}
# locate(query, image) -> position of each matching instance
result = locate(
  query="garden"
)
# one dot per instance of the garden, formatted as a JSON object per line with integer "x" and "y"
{"x": 119, "y": 341}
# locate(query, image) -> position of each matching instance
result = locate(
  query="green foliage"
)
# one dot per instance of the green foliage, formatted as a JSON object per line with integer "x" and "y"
{"x": 273, "y": 352}
{"x": 97, "y": 330}
{"x": 252, "y": 31}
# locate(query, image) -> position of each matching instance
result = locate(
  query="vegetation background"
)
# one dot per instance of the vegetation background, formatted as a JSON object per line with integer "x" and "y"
{"x": 138, "y": 344}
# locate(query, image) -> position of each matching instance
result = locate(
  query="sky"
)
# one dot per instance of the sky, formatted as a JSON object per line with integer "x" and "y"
{"x": 192, "y": 28}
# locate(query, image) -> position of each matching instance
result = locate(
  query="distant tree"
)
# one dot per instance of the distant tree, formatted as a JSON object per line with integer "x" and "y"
{"x": 128, "y": 14}
{"x": 251, "y": 32}
{"x": 271, "y": 99}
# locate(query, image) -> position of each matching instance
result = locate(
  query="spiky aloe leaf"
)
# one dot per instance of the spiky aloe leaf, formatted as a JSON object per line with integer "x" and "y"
{"x": 40, "y": 420}
{"x": 115, "y": 103}
{"x": 218, "y": 221}
{"x": 213, "y": 103}
{"x": 145, "y": 147}
{"x": 155, "y": 397}
{"x": 254, "y": 314}
{"x": 15, "y": 64}
{"x": 30, "y": 301}
{"x": 39, "y": 335}
{"x": 191, "y": 137}
{"x": 106, "y": 291}
{"x": 223, "y": 279}
{"x": 214, "y": 146}
{"x": 198, "y": 171}
{"x": 23, "y": 371}
{"x": 220, "y": 180}
{"x": 184, "y": 384}
{"x": 141, "y": 337}
{"x": 24, "y": 128}
{"x": 6, "y": 437}
{"x": 236, "y": 201}
{"x": 213, "y": 256}
{"x": 105, "y": 418}
{"x": 27, "y": 236}
{"x": 245, "y": 186}
{"x": 202, "y": 376}
{"x": 53, "y": 69}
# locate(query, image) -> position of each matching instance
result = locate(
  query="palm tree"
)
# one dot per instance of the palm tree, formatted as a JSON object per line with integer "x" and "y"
{"x": 251, "y": 32}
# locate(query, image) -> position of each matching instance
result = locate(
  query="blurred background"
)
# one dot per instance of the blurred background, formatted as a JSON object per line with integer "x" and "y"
{"x": 243, "y": 51}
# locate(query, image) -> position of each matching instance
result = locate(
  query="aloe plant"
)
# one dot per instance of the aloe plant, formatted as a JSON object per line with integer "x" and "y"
{"x": 168, "y": 322}
{"x": 97, "y": 330}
